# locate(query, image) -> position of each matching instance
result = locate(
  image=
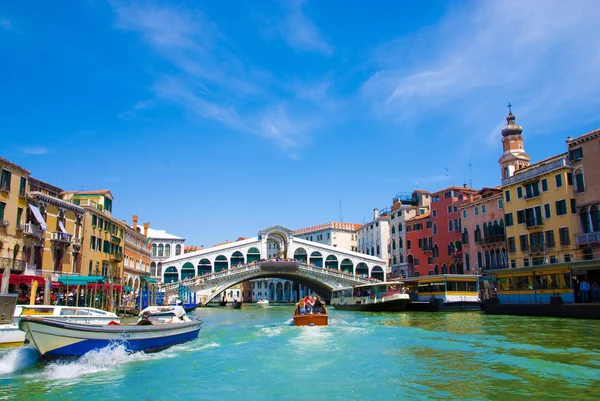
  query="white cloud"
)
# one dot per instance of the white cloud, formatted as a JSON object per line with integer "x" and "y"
{"x": 543, "y": 58}
{"x": 300, "y": 32}
{"x": 34, "y": 150}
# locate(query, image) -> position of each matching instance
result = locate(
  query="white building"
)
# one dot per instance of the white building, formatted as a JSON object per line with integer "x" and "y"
{"x": 164, "y": 246}
{"x": 404, "y": 207}
{"x": 374, "y": 237}
{"x": 339, "y": 235}
{"x": 278, "y": 290}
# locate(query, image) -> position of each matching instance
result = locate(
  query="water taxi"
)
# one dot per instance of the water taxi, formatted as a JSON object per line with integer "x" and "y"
{"x": 387, "y": 296}
{"x": 263, "y": 303}
{"x": 311, "y": 319}
{"x": 10, "y": 335}
{"x": 444, "y": 292}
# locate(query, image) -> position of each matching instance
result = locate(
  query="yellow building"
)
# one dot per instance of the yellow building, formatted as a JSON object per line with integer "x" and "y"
{"x": 52, "y": 232}
{"x": 103, "y": 236}
{"x": 13, "y": 203}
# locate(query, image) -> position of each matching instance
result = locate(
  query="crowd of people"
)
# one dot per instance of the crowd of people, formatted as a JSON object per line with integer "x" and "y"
{"x": 311, "y": 305}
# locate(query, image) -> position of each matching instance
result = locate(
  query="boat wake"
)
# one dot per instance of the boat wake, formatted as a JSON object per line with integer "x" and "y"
{"x": 18, "y": 359}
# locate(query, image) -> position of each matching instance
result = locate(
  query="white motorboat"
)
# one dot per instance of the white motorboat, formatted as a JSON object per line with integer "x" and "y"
{"x": 9, "y": 331}
{"x": 263, "y": 303}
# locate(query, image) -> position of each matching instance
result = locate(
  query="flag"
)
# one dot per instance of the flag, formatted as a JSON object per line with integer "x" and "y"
{"x": 148, "y": 242}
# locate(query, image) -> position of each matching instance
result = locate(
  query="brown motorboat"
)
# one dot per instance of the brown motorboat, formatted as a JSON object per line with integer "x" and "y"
{"x": 311, "y": 319}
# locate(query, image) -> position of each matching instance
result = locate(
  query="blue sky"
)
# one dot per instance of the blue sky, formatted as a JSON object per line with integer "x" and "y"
{"x": 216, "y": 119}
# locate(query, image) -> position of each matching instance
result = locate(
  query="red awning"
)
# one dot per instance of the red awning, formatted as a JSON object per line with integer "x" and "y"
{"x": 17, "y": 279}
{"x": 104, "y": 287}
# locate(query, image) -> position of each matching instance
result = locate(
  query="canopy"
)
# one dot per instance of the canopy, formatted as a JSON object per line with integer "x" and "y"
{"x": 149, "y": 279}
{"x": 38, "y": 216}
{"x": 62, "y": 227}
{"x": 80, "y": 280}
{"x": 23, "y": 279}
{"x": 128, "y": 288}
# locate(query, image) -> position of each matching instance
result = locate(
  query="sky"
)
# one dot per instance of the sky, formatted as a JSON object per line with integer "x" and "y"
{"x": 215, "y": 119}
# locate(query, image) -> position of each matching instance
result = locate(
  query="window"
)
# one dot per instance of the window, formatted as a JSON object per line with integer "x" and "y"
{"x": 435, "y": 228}
{"x": 2, "y": 208}
{"x": 450, "y": 225}
{"x": 526, "y": 262}
{"x": 507, "y": 195}
{"x": 482, "y": 209}
{"x": 579, "y": 184}
{"x": 511, "y": 245}
{"x": 447, "y": 194}
{"x": 464, "y": 214}
{"x": 22, "y": 186}
{"x": 450, "y": 209}
{"x": 520, "y": 216}
{"x": 519, "y": 192}
{"x": 19, "y": 214}
{"x": 399, "y": 227}
{"x": 434, "y": 213}
{"x": 573, "y": 206}
{"x": 558, "y": 180}
{"x": 5, "y": 180}
{"x": 532, "y": 190}
{"x": 465, "y": 236}
{"x": 513, "y": 263}
{"x": 561, "y": 207}
{"x": 508, "y": 217}
{"x": 476, "y": 210}
{"x": 544, "y": 185}
{"x": 567, "y": 258}
{"x": 569, "y": 178}
{"x": 523, "y": 242}
{"x": 563, "y": 234}
{"x": 500, "y": 205}
{"x": 576, "y": 154}
{"x": 547, "y": 211}
{"x": 550, "y": 238}
{"x": 409, "y": 245}
{"x": 455, "y": 209}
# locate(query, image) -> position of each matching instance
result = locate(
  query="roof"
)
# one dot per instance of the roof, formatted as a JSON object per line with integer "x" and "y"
{"x": 457, "y": 188}
{"x": 583, "y": 138}
{"x": 161, "y": 234}
{"x": 420, "y": 217}
{"x": 333, "y": 225}
{"x": 96, "y": 192}
{"x": 16, "y": 166}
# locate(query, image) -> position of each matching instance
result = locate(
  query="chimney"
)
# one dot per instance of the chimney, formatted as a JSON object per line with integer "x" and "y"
{"x": 146, "y": 227}
{"x": 375, "y": 214}
{"x": 465, "y": 185}
{"x": 135, "y": 220}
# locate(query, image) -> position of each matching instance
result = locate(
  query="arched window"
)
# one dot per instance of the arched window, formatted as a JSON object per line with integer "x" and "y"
{"x": 434, "y": 228}
{"x": 501, "y": 227}
{"x": 400, "y": 246}
{"x": 177, "y": 249}
{"x": 393, "y": 230}
{"x": 465, "y": 236}
{"x": 168, "y": 250}
{"x": 436, "y": 270}
{"x": 153, "y": 249}
{"x": 479, "y": 261}
{"x": 579, "y": 183}
{"x": 477, "y": 234}
{"x": 486, "y": 233}
{"x": 160, "y": 249}
{"x": 399, "y": 227}
{"x": 444, "y": 269}
{"x": 393, "y": 244}
{"x": 467, "y": 262}
{"x": 487, "y": 260}
{"x": 450, "y": 225}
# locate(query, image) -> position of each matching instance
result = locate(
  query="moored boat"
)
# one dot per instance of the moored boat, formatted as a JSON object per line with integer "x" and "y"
{"x": 9, "y": 331}
{"x": 311, "y": 319}
{"x": 237, "y": 304}
{"x": 380, "y": 297}
{"x": 56, "y": 339}
{"x": 443, "y": 292}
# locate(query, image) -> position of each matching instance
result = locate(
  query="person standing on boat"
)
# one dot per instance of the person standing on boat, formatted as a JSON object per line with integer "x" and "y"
{"x": 584, "y": 287}
{"x": 318, "y": 305}
{"x": 595, "y": 292}
{"x": 178, "y": 311}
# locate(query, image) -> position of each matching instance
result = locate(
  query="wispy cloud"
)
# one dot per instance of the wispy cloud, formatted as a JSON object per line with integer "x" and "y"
{"x": 300, "y": 32}
{"x": 543, "y": 59}
{"x": 34, "y": 151}
{"x": 214, "y": 81}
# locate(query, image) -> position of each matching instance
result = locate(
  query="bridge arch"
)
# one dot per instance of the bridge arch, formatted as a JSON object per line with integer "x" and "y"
{"x": 187, "y": 270}
{"x": 362, "y": 269}
{"x": 378, "y": 273}
{"x": 237, "y": 259}
{"x": 332, "y": 262}
{"x": 204, "y": 267}
{"x": 300, "y": 255}
{"x": 316, "y": 258}
{"x": 221, "y": 263}
{"x": 253, "y": 255}
{"x": 347, "y": 266}
{"x": 171, "y": 275}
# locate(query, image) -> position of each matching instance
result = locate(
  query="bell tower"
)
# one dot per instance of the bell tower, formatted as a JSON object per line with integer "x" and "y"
{"x": 513, "y": 157}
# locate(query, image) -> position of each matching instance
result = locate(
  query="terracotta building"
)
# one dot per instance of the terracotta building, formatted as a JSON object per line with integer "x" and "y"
{"x": 419, "y": 244}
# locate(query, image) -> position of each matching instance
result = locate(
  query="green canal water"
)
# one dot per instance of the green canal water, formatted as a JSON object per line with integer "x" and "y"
{"x": 256, "y": 354}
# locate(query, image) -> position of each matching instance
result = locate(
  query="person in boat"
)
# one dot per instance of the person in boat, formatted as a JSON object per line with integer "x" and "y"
{"x": 318, "y": 307}
{"x": 301, "y": 307}
{"x": 310, "y": 303}
{"x": 144, "y": 319}
{"x": 179, "y": 311}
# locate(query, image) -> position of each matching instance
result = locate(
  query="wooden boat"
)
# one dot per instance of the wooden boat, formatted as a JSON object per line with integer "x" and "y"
{"x": 311, "y": 319}
{"x": 223, "y": 303}
{"x": 237, "y": 304}
{"x": 380, "y": 297}
{"x": 55, "y": 339}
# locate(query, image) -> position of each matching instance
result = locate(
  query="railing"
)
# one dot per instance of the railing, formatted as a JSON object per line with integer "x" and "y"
{"x": 60, "y": 237}
{"x": 588, "y": 238}
{"x": 427, "y": 248}
{"x": 544, "y": 168}
{"x": 534, "y": 222}
{"x": 492, "y": 239}
{"x": 536, "y": 248}
{"x": 6, "y": 189}
{"x": 33, "y": 230}
{"x": 116, "y": 256}
{"x": 13, "y": 264}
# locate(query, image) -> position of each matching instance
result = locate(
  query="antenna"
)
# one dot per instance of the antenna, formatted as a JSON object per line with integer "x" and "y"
{"x": 341, "y": 217}
{"x": 470, "y": 176}
{"x": 447, "y": 170}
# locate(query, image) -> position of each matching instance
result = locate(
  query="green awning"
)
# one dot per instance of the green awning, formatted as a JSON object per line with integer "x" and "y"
{"x": 80, "y": 280}
{"x": 149, "y": 279}
{"x": 128, "y": 288}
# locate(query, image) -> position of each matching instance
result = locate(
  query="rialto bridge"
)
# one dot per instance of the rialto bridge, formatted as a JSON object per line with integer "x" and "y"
{"x": 313, "y": 262}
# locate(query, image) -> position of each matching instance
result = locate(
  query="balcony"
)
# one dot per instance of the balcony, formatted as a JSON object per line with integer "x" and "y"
{"x": 532, "y": 223}
{"x": 116, "y": 257}
{"x": 535, "y": 172}
{"x": 32, "y": 230}
{"x": 58, "y": 236}
{"x": 589, "y": 238}
{"x": 493, "y": 239}
{"x": 5, "y": 190}
{"x": 76, "y": 245}
{"x": 12, "y": 264}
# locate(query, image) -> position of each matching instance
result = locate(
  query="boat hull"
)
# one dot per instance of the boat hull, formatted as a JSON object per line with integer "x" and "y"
{"x": 395, "y": 305}
{"x": 10, "y": 335}
{"x": 55, "y": 339}
{"x": 311, "y": 320}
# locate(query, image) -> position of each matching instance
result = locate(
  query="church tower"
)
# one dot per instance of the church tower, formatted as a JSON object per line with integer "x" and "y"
{"x": 513, "y": 157}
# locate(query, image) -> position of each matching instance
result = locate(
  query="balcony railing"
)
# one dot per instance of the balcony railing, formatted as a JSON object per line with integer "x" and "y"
{"x": 32, "y": 230}
{"x": 61, "y": 237}
{"x": 427, "y": 248}
{"x": 116, "y": 257}
{"x": 535, "y": 172}
{"x": 5, "y": 189}
{"x": 536, "y": 248}
{"x": 492, "y": 239}
{"x": 13, "y": 264}
{"x": 589, "y": 238}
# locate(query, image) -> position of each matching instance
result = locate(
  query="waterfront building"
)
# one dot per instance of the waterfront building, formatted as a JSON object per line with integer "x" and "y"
{"x": 137, "y": 256}
{"x": 483, "y": 235}
{"x": 419, "y": 244}
{"x": 13, "y": 203}
{"x": 336, "y": 234}
{"x": 374, "y": 237}
{"x": 404, "y": 207}
{"x": 584, "y": 155}
{"x": 103, "y": 235}
{"x": 447, "y": 230}
{"x": 52, "y": 232}
{"x": 164, "y": 246}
